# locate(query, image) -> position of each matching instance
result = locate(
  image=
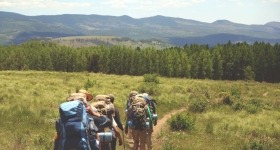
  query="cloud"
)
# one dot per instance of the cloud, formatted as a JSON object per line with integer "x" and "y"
{"x": 198, "y": 1}
{"x": 119, "y": 3}
{"x": 240, "y": 4}
{"x": 222, "y": 5}
{"x": 147, "y": 4}
{"x": 274, "y": 1}
{"x": 48, "y": 4}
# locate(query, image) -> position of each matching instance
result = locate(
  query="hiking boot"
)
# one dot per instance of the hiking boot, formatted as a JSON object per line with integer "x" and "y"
{"x": 105, "y": 122}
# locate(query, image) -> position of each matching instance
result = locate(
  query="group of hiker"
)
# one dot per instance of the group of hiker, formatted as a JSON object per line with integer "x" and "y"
{"x": 95, "y": 126}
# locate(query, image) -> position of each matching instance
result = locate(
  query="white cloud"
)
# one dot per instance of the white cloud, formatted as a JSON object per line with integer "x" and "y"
{"x": 119, "y": 3}
{"x": 198, "y": 1}
{"x": 222, "y": 5}
{"x": 275, "y": 1}
{"x": 240, "y": 4}
{"x": 175, "y": 3}
{"x": 49, "y": 4}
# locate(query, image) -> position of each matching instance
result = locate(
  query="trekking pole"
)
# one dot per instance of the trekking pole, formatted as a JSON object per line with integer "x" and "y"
{"x": 123, "y": 140}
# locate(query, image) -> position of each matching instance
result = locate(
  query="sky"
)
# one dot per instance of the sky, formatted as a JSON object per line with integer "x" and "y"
{"x": 237, "y": 11}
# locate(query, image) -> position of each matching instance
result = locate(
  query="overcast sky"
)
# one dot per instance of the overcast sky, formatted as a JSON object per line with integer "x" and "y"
{"x": 238, "y": 11}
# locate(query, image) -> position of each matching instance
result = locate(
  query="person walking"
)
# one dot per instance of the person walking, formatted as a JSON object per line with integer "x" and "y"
{"x": 117, "y": 120}
{"x": 136, "y": 119}
{"x": 153, "y": 122}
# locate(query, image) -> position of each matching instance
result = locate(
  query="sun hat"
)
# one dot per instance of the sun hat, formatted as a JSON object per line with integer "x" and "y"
{"x": 89, "y": 96}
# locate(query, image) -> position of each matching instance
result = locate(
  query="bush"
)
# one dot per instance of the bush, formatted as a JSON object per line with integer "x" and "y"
{"x": 151, "y": 78}
{"x": 150, "y": 88}
{"x": 238, "y": 106}
{"x": 181, "y": 122}
{"x": 198, "y": 106}
{"x": 225, "y": 98}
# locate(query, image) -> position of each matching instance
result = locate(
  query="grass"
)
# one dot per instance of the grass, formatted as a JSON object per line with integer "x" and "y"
{"x": 80, "y": 41}
{"x": 29, "y": 102}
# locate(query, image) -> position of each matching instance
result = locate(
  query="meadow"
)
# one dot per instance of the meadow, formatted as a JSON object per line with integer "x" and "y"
{"x": 224, "y": 114}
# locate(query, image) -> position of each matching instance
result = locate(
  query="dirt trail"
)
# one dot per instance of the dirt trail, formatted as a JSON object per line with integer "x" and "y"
{"x": 161, "y": 125}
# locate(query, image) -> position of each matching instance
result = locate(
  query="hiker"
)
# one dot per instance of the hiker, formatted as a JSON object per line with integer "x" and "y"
{"x": 117, "y": 120}
{"x": 136, "y": 119}
{"x": 99, "y": 120}
{"x": 106, "y": 107}
{"x": 75, "y": 129}
{"x": 131, "y": 95}
{"x": 151, "y": 105}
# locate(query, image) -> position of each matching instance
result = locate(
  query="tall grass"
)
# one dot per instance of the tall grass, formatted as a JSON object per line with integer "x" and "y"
{"x": 29, "y": 102}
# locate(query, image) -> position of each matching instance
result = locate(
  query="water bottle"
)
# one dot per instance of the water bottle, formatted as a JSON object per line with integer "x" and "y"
{"x": 147, "y": 124}
{"x": 129, "y": 123}
{"x": 155, "y": 117}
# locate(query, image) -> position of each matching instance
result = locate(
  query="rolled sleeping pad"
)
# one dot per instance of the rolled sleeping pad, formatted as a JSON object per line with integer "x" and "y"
{"x": 105, "y": 136}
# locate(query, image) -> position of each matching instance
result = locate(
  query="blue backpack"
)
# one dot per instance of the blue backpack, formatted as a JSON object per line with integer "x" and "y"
{"x": 73, "y": 128}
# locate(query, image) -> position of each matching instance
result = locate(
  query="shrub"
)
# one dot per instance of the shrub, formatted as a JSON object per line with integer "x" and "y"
{"x": 151, "y": 78}
{"x": 181, "y": 122}
{"x": 238, "y": 106}
{"x": 151, "y": 88}
{"x": 89, "y": 84}
{"x": 252, "y": 109}
{"x": 225, "y": 98}
{"x": 198, "y": 106}
{"x": 236, "y": 92}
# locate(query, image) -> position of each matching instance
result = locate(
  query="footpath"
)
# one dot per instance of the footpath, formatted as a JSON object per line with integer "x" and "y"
{"x": 160, "y": 127}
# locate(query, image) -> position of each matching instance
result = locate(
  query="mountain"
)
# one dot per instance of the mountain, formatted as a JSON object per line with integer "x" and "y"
{"x": 16, "y": 28}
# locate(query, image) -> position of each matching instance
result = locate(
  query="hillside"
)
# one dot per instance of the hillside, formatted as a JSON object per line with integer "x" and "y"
{"x": 16, "y": 28}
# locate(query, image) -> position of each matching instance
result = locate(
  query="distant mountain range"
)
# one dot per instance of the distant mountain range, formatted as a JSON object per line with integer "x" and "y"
{"x": 16, "y": 28}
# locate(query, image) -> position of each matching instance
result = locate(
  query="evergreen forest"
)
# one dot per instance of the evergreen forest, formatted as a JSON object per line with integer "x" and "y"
{"x": 240, "y": 61}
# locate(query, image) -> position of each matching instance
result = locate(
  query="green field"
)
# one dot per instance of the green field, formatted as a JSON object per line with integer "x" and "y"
{"x": 86, "y": 41}
{"x": 228, "y": 114}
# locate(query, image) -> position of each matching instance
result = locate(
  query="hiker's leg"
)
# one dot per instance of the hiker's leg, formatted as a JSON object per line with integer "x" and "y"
{"x": 143, "y": 136}
{"x": 149, "y": 139}
{"x": 135, "y": 135}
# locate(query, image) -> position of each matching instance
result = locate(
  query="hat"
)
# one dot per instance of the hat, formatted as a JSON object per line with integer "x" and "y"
{"x": 89, "y": 96}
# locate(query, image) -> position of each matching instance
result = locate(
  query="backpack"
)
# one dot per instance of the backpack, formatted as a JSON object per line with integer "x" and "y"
{"x": 131, "y": 96}
{"x": 110, "y": 109}
{"x": 100, "y": 106}
{"x": 137, "y": 113}
{"x": 75, "y": 129}
{"x": 152, "y": 103}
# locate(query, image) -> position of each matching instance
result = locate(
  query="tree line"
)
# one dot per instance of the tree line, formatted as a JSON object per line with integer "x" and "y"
{"x": 239, "y": 61}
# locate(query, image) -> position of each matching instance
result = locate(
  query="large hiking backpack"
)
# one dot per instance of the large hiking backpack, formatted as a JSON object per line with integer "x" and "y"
{"x": 131, "y": 96}
{"x": 101, "y": 101}
{"x": 75, "y": 128}
{"x": 137, "y": 113}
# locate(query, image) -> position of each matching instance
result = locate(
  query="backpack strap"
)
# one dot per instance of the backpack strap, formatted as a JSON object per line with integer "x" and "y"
{"x": 150, "y": 117}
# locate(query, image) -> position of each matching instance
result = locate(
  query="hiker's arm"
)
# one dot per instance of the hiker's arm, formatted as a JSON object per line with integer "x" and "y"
{"x": 117, "y": 119}
{"x": 90, "y": 111}
{"x": 118, "y": 135}
{"x": 98, "y": 139}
